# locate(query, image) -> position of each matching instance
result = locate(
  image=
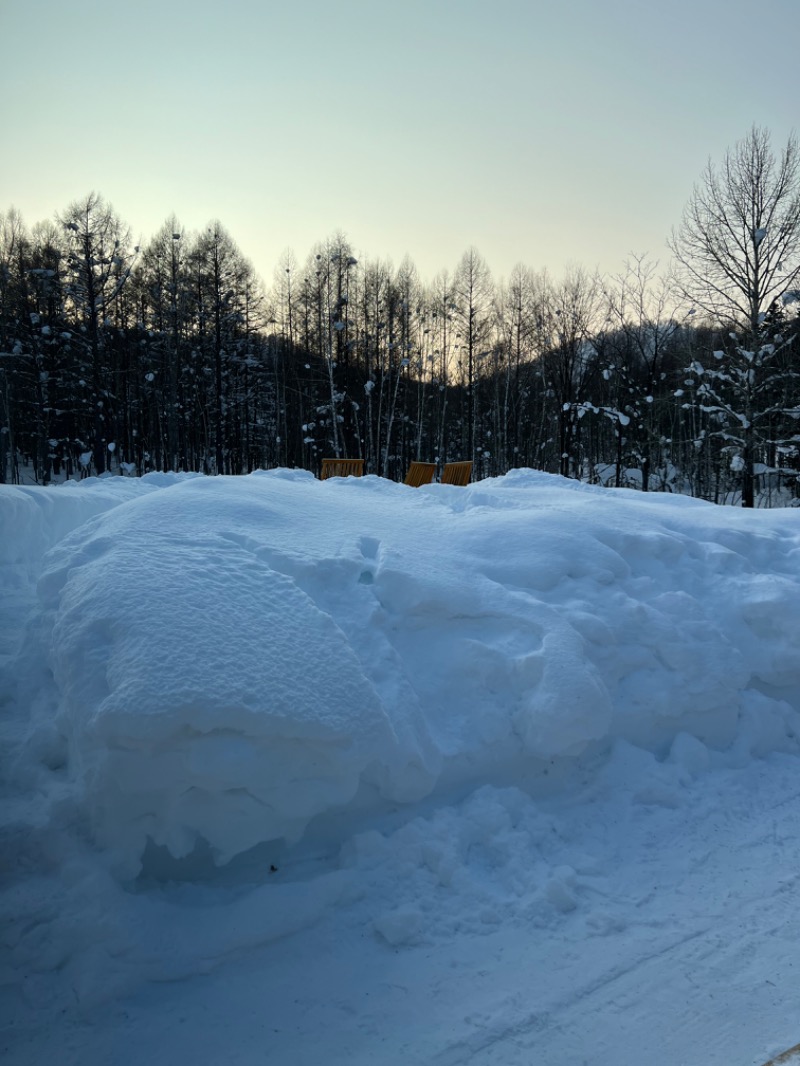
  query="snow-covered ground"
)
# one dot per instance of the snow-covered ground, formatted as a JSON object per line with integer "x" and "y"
{"x": 315, "y": 773}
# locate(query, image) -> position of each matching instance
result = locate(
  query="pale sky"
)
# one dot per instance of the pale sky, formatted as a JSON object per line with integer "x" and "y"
{"x": 540, "y": 132}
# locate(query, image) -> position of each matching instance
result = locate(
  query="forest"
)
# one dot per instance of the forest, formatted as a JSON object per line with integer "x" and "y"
{"x": 175, "y": 355}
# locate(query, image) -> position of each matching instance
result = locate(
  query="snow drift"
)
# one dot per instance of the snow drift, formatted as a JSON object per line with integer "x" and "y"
{"x": 347, "y": 772}
{"x": 237, "y": 657}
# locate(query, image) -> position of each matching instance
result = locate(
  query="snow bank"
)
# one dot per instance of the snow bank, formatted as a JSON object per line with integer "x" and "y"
{"x": 205, "y": 695}
{"x": 235, "y": 657}
{"x": 33, "y": 519}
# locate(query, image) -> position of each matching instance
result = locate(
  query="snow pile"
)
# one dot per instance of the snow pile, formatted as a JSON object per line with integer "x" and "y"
{"x": 497, "y": 774}
{"x": 237, "y": 657}
{"x": 33, "y": 519}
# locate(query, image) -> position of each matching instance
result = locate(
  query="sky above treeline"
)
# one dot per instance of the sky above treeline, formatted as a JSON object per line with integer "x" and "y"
{"x": 547, "y": 134}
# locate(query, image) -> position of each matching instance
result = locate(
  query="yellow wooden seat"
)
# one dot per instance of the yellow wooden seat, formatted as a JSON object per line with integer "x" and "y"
{"x": 456, "y": 473}
{"x": 420, "y": 474}
{"x": 341, "y": 468}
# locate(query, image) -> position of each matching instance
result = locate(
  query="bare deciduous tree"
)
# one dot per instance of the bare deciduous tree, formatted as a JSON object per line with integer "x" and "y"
{"x": 738, "y": 260}
{"x": 738, "y": 246}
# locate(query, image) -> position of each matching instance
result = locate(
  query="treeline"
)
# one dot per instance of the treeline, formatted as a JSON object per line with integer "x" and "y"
{"x": 174, "y": 356}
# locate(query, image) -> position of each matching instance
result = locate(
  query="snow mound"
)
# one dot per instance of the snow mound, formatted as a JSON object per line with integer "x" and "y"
{"x": 205, "y": 695}
{"x": 236, "y": 657}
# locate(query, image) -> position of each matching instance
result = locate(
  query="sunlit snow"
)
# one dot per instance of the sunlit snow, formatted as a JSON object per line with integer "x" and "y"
{"x": 313, "y": 773}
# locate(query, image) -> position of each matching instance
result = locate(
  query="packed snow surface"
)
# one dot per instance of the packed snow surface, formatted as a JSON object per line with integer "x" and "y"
{"x": 347, "y": 772}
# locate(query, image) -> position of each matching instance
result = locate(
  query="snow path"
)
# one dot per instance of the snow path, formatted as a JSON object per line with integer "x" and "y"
{"x": 651, "y": 952}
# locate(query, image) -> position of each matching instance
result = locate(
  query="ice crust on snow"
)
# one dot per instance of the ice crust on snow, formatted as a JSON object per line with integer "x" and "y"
{"x": 236, "y": 657}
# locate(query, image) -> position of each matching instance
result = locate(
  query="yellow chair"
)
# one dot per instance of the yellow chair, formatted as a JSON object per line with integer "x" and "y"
{"x": 457, "y": 473}
{"x": 420, "y": 474}
{"x": 341, "y": 468}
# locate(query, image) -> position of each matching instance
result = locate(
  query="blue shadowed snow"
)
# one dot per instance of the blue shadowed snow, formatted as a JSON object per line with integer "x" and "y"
{"x": 524, "y": 711}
